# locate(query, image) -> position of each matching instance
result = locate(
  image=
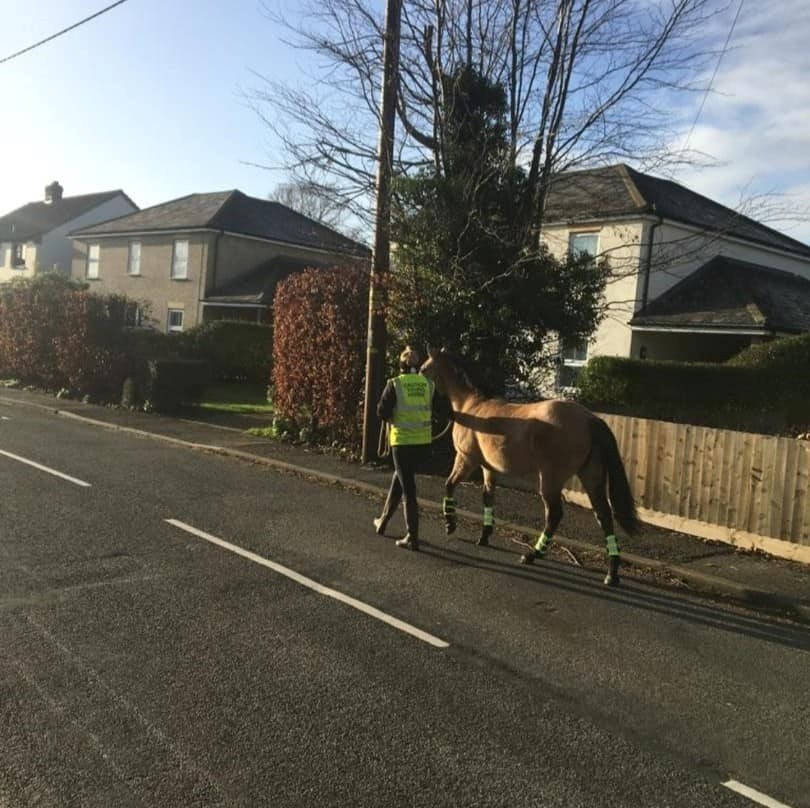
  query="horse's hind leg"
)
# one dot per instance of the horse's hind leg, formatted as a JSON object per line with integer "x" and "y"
{"x": 488, "y": 495}
{"x": 462, "y": 469}
{"x": 552, "y": 501}
{"x": 594, "y": 481}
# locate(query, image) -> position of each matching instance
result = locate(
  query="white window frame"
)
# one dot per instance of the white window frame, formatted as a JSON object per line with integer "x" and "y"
{"x": 177, "y": 328}
{"x": 579, "y": 360}
{"x": 573, "y": 237}
{"x": 179, "y": 270}
{"x": 18, "y": 250}
{"x": 580, "y": 350}
{"x": 138, "y": 315}
{"x": 134, "y": 259}
{"x": 93, "y": 261}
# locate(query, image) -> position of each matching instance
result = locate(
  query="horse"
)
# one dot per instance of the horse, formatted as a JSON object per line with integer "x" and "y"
{"x": 553, "y": 438}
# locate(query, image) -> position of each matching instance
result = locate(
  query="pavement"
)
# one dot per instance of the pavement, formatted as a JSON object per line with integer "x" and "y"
{"x": 671, "y": 560}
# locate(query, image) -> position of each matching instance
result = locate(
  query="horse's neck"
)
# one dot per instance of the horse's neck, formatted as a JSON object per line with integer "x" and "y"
{"x": 460, "y": 395}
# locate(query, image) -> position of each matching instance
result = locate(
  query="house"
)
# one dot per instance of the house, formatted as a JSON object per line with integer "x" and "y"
{"x": 34, "y": 238}
{"x": 206, "y": 256}
{"x": 692, "y": 280}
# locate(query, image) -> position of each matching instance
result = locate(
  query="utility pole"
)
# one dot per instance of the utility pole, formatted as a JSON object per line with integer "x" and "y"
{"x": 381, "y": 257}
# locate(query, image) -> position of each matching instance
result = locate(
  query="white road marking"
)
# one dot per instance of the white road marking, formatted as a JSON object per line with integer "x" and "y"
{"x": 314, "y": 585}
{"x": 753, "y": 794}
{"x": 45, "y": 468}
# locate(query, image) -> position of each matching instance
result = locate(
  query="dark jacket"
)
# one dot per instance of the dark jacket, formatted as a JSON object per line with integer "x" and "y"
{"x": 388, "y": 401}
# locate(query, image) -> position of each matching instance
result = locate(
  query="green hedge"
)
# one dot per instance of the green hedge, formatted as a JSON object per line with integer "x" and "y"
{"x": 762, "y": 399}
{"x": 171, "y": 383}
{"x": 789, "y": 353}
{"x": 235, "y": 351}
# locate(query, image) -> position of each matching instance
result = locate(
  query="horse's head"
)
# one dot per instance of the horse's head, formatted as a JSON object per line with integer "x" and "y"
{"x": 430, "y": 368}
{"x": 438, "y": 368}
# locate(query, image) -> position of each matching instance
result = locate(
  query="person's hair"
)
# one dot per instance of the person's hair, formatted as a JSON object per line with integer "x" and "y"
{"x": 409, "y": 359}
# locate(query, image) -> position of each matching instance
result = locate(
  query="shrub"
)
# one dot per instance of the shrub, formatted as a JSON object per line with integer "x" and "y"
{"x": 170, "y": 383}
{"x": 32, "y": 321}
{"x": 57, "y": 335}
{"x": 725, "y": 396}
{"x": 789, "y": 353}
{"x": 235, "y": 351}
{"x": 319, "y": 350}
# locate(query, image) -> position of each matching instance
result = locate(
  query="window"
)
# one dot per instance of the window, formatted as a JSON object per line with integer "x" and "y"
{"x": 134, "y": 315}
{"x": 18, "y": 255}
{"x": 134, "y": 265}
{"x": 573, "y": 356}
{"x": 575, "y": 351}
{"x": 175, "y": 320}
{"x": 581, "y": 243}
{"x": 93, "y": 255}
{"x": 180, "y": 260}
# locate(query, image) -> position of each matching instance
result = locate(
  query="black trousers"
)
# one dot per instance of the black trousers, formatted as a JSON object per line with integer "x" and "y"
{"x": 407, "y": 461}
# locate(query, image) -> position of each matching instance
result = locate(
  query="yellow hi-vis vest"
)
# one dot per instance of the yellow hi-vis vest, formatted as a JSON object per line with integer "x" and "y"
{"x": 411, "y": 421}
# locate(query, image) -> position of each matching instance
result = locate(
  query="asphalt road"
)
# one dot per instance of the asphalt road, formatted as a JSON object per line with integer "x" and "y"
{"x": 143, "y": 664}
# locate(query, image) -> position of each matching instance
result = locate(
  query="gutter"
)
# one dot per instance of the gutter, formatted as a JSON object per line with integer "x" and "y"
{"x": 84, "y": 236}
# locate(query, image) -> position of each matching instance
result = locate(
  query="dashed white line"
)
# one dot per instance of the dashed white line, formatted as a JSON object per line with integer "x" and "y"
{"x": 314, "y": 585}
{"x": 754, "y": 795}
{"x": 39, "y": 466}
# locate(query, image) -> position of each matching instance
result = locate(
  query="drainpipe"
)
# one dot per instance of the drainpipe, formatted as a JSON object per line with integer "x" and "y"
{"x": 648, "y": 262}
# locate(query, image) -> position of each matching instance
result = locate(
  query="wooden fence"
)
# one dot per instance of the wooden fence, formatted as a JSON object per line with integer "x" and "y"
{"x": 750, "y": 490}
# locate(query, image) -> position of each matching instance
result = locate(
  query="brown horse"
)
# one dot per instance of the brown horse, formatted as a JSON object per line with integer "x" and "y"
{"x": 556, "y": 439}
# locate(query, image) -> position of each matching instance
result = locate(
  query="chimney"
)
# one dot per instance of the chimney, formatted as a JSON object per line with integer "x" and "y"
{"x": 53, "y": 193}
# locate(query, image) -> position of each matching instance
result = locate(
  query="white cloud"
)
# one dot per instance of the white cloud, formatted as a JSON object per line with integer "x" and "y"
{"x": 756, "y": 122}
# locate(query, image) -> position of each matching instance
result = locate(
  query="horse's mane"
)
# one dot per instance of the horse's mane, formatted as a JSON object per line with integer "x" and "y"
{"x": 460, "y": 367}
{"x": 466, "y": 373}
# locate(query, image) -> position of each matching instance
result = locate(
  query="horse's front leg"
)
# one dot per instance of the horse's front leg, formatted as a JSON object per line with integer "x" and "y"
{"x": 462, "y": 468}
{"x": 488, "y": 496}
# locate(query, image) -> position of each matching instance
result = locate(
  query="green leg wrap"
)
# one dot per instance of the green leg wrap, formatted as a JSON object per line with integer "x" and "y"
{"x": 542, "y": 543}
{"x": 489, "y": 517}
{"x": 448, "y": 506}
{"x": 612, "y": 545}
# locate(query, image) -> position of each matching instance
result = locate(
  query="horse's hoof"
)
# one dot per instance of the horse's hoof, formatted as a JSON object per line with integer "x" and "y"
{"x": 611, "y": 580}
{"x": 449, "y": 527}
{"x": 483, "y": 541}
{"x": 527, "y": 558}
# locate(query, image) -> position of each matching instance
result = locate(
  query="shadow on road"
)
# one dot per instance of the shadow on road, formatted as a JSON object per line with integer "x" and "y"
{"x": 581, "y": 581}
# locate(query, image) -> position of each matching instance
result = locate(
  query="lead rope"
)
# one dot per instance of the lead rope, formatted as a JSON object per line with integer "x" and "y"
{"x": 384, "y": 446}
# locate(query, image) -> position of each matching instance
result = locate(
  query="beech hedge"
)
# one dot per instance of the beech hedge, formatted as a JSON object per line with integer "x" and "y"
{"x": 55, "y": 334}
{"x": 320, "y": 322}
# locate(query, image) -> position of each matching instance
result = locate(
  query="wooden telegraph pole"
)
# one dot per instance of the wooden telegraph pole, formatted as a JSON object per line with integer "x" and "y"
{"x": 375, "y": 344}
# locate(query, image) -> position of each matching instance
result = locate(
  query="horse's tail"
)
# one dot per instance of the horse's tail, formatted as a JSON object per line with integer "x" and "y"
{"x": 620, "y": 495}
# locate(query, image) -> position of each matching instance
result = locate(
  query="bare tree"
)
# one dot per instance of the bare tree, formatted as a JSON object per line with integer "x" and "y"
{"x": 317, "y": 202}
{"x": 587, "y": 82}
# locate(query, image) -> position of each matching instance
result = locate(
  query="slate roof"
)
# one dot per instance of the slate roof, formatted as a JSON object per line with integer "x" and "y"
{"x": 257, "y": 287}
{"x": 235, "y": 212}
{"x": 32, "y": 221}
{"x": 618, "y": 190}
{"x": 726, "y": 293}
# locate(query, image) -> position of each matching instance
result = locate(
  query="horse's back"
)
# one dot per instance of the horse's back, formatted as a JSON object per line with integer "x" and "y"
{"x": 540, "y": 436}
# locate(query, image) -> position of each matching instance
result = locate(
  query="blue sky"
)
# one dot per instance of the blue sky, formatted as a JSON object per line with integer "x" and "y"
{"x": 149, "y": 98}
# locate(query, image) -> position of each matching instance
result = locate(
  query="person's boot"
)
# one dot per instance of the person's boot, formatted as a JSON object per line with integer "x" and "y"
{"x": 612, "y": 577}
{"x": 409, "y": 543}
{"x": 379, "y": 525}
